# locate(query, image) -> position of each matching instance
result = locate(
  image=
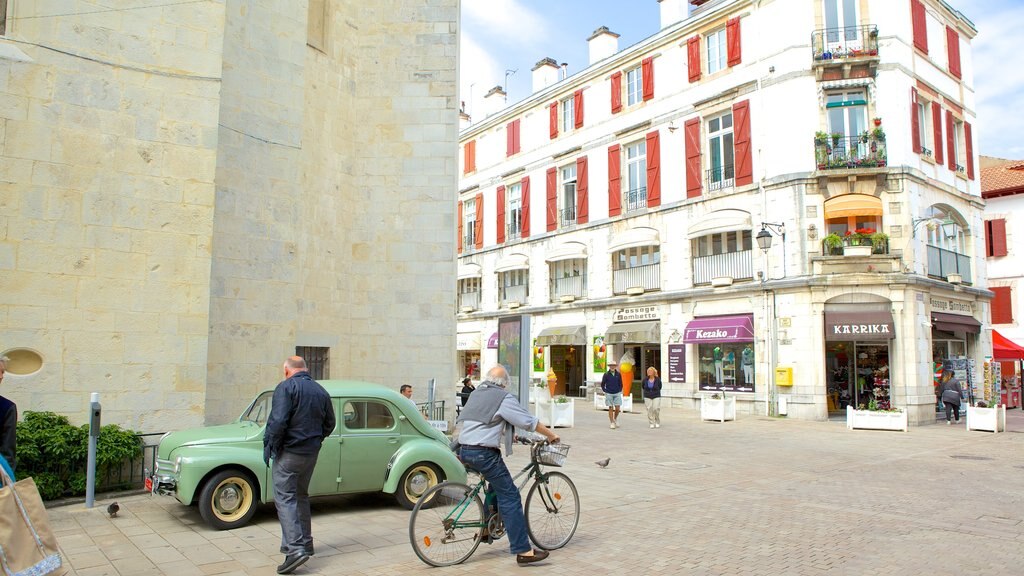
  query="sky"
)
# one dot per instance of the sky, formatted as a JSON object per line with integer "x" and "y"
{"x": 503, "y": 39}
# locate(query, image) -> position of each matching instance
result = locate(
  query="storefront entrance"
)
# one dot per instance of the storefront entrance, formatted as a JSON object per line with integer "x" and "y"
{"x": 567, "y": 363}
{"x": 858, "y": 375}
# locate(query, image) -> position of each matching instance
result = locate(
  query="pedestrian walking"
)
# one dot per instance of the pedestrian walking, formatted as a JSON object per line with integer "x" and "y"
{"x": 611, "y": 385}
{"x": 652, "y": 397}
{"x": 301, "y": 416}
{"x": 951, "y": 394}
{"x": 488, "y": 421}
{"x": 8, "y": 425}
{"x": 467, "y": 389}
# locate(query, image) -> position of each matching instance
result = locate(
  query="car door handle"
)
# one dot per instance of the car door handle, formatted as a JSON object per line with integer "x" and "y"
{"x": 393, "y": 440}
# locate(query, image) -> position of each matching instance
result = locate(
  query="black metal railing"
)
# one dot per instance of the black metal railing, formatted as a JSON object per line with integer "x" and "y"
{"x": 567, "y": 216}
{"x": 635, "y": 199}
{"x": 513, "y": 231}
{"x": 131, "y": 474}
{"x": 943, "y": 262}
{"x": 469, "y": 241}
{"x": 831, "y": 248}
{"x": 864, "y": 151}
{"x": 735, "y": 265}
{"x": 575, "y": 286}
{"x": 647, "y": 277}
{"x": 847, "y": 42}
{"x": 720, "y": 177}
{"x": 438, "y": 413}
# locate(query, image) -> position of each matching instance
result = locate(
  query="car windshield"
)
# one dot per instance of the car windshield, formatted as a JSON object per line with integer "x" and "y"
{"x": 259, "y": 410}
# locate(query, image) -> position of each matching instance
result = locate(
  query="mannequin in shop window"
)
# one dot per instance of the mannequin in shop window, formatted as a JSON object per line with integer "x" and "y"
{"x": 718, "y": 357}
{"x": 747, "y": 361}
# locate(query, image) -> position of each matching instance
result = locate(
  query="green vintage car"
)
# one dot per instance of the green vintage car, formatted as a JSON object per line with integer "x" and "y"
{"x": 380, "y": 443}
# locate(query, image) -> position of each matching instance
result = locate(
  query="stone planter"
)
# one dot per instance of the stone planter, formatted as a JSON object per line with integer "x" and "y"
{"x": 720, "y": 409}
{"x": 627, "y": 402}
{"x": 875, "y": 420}
{"x": 987, "y": 419}
{"x": 538, "y": 394}
{"x": 859, "y": 250}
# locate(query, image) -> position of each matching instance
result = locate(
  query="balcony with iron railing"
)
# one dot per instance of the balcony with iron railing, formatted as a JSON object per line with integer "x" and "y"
{"x": 635, "y": 199}
{"x": 469, "y": 240}
{"x": 515, "y": 293}
{"x": 469, "y": 301}
{"x": 839, "y": 152}
{"x": 735, "y": 265}
{"x": 573, "y": 287}
{"x": 646, "y": 277}
{"x": 837, "y": 52}
{"x": 513, "y": 232}
{"x": 942, "y": 263}
{"x": 830, "y": 247}
{"x": 567, "y": 217}
{"x": 719, "y": 177}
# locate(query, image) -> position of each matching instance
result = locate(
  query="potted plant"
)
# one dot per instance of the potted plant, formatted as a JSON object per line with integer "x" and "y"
{"x": 833, "y": 243}
{"x": 878, "y": 133}
{"x": 877, "y": 121}
{"x": 858, "y": 242}
{"x": 821, "y": 137}
{"x": 539, "y": 391}
{"x": 879, "y": 242}
{"x": 835, "y": 138}
{"x": 986, "y": 418}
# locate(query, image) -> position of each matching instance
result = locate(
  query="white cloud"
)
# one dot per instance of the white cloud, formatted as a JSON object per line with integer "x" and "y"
{"x": 504, "y": 21}
{"x": 479, "y": 71}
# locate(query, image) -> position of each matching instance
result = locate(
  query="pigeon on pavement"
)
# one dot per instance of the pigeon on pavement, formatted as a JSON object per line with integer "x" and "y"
{"x": 603, "y": 463}
{"x": 112, "y": 509}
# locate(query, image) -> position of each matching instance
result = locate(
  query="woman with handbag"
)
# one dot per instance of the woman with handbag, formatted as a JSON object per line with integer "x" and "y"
{"x": 951, "y": 394}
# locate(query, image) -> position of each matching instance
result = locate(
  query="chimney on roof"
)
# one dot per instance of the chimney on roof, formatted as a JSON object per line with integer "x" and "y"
{"x": 494, "y": 101}
{"x": 673, "y": 11}
{"x": 545, "y": 73}
{"x": 602, "y": 43}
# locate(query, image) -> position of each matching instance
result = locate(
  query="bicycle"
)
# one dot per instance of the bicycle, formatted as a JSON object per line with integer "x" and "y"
{"x": 449, "y": 521}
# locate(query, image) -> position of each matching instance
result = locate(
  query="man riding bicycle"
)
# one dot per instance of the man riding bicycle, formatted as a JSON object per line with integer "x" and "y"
{"x": 488, "y": 419}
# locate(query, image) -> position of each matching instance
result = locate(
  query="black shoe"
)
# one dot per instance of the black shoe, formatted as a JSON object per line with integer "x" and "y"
{"x": 307, "y": 551}
{"x": 538, "y": 555}
{"x": 291, "y": 563}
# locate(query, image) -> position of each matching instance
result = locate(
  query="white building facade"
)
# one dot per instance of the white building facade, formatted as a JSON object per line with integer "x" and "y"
{"x": 622, "y": 208}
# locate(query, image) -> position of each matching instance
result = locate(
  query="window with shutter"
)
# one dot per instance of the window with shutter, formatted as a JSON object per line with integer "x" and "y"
{"x": 717, "y": 51}
{"x": 514, "y": 211}
{"x": 577, "y": 105}
{"x": 567, "y": 199}
{"x": 937, "y": 130}
{"x": 512, "y": 138}
{"x": 920, "y": 24}
{"x": 634, "y": 85}
{"x": 732, "y": 32}
{"x": 582, "y": 191}
{"x": 525, "y": 217}
{"x": 995, "y": 237}
{"x": 653, "y": 169}
{"x": 499, "y": 203}
{"x": 614, "y": 180}
{"x": 553, "y": 120}
{"x": 953, "y": 51}
{"x": 568, "y": 114}
{"x": 552, "y": 199}
{"x": 1002, "y": 305}
{"x": 479, "y": 221}
{"x": 693, "y": 177}
{"x": 647, "y": 65}
{"x": 616, "y": 92}
{"x": 969, "y": 145}
{"x": 743, "y": 150}
{"x": 950, "y": 141}
{"x": 461, "y": 228}
{"x": 915, "y": 122}
{"x": 693, "y": 57}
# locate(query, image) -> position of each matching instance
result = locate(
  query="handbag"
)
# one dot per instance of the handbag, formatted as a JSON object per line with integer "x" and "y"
{"x": 27, "y": 544}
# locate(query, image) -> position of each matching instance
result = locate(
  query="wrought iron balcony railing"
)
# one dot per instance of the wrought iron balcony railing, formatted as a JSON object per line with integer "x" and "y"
{"x": 720, "y": 177}
{"x": 636, "y": 199}
{"x": 735, "y": 265}
{"x": 879, "y": 246}
{"x": 843, "y": 43}
{"x": 512, "y": 232}
{"x": 469, "y": 241}
{"x": 567, "y": 216}
{"x": 864, "y": 151}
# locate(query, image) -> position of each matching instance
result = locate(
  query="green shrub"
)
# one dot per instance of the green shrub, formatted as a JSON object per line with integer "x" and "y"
{"x": 55, "y": 453}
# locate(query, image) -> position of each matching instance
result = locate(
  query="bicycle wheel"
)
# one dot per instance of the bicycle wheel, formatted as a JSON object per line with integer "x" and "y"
{"x": 552, "y": 511}
{"x": 446, "y": 524}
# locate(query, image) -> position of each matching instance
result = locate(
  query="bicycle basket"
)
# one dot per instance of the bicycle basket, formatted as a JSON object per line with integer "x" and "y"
{"x": 552, "y": 454}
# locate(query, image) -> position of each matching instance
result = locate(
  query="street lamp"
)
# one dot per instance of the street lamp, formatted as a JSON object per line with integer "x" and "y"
{"x": 764, "y": 242}
{"x": 949, "y": 228}
{"x": 764, "y": 237}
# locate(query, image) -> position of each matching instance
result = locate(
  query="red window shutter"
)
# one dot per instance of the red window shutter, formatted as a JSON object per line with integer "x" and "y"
{"x": 915, "y": 123}
{"x": 997, "y": 237}
{"x": 472, "y": 155}
{"x": 1002, "y": 305}
{"x": 577, "y": 108}
{"x": 616, "y": 92}
{"x": 479, "y": 231}
{"x": 937, "y": 131}
{"x": 553, "y": 120}
{"x": 515, "y": 132}
{"x": 732, "y": 40}
{"x": 460, "y": 228}
{"x": 693, "y": 175}
{"x": 524, "y": 215}
{"x": 509, "y": 138}
{"x": 693, "y": 57}
{"x": 501, "y": 214}
{"x": 969, "y": 144}
{"x": 653, "y": 169}
{"x": 647, "y": 71}
{"x": 953, "y": 50}
{"x": 552, "y": 197}
{"x": 582, "y": 191}
{"x": 920, "y": 23}
{"x": 950, "y": 141}
{"x": 465, "y": 158}
{"x": 614, "y": 180}
{"x": 742, "y": 150}
{"x": 988, "y": 238}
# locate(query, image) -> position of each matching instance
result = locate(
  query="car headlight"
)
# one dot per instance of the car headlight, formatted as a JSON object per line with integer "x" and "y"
{"x": 177, "y": 465}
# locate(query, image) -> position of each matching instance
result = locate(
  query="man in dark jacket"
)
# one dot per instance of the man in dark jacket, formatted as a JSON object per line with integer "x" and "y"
{"x": 300, "y": 418}
{"x": 611, "y": 385}
{"x": 8, "y": 424}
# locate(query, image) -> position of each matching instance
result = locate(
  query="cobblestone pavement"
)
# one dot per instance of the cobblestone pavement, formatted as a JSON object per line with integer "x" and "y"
{"x": 755, "y": 496}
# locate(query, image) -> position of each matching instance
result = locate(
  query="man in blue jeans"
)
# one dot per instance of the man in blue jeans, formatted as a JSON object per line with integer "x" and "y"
{"x": 489, "y": 420}
{"x": 301, "y": 416}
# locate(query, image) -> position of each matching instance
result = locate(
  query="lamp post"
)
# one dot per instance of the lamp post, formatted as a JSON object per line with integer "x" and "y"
{"x": 764, "y": 242}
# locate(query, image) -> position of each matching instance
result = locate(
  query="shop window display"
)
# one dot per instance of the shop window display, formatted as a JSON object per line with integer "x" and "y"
{"x": 726, "y": 367}
{"x": 858, "y": 376}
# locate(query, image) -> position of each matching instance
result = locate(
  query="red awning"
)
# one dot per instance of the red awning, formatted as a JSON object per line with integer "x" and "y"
{"x": 1005, "y": 349}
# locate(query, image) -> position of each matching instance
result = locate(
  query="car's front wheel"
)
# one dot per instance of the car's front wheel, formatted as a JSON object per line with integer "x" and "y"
{"x": 228, "y": 500}
{"x": 415, "y": 482}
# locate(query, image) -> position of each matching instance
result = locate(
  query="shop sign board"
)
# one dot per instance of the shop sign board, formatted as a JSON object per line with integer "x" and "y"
{"x": 952, "y": 306}
{"x": 636, "y": 313}
{"x": 677, "y": 362}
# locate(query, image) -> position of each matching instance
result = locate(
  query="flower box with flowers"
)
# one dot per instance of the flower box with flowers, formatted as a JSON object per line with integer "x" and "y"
{"x": 986, "y": 418}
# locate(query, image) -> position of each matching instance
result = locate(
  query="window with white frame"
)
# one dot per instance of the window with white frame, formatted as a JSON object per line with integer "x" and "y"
{"x": 717, "y": 51}
{"x": 469, "y": 223}
{"x": 720, "y": 152}
{"x": 568, "y": 114}
{"x": 469, "y": 293}
{"x": 847, "y": 113}
{"x": 568, "y": 278}
{"x": 636, "y": 175}
{"x": 722, "y": 243}
{"x": 513, "y": 211}
{"x": 959, "y": 146}
{"x": 924, "y": 125}
{"x": 634, "y": 86}
{"x": 636, "y": 257}
{"x": 514, "y": 286}
{"x": 567, "y": 201}
{"x": 841, "y": 22}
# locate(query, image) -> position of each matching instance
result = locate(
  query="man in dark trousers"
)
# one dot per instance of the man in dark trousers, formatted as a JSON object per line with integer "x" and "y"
{"x": 301, "y": 417}
{"x": 8, "y": 424}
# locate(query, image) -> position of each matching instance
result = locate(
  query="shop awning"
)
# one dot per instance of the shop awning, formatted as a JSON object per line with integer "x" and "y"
{"x": 727, "y": 220}
{"x": 860, "y": 325}
{"x": 467, "y": 341}
{"x": 563, "y": 336}
{"x": 1005, "y": 349}
{"x": 468, "y": 271}
{"x": 513, "y": 262}
{"x": 720, "y": 329}
{"x": 567, "y": 251}
{"x": 634, "y": 238}
{"x": 853, "y": 205}
{"x": 492, "y": 342}
{"x": 955, "y": 323}
{"x": 634, "y": 333}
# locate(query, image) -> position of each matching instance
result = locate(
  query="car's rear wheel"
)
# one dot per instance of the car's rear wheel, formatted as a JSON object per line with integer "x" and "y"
{"x": 228, "y": 500}
{"x": 415, "y": 482}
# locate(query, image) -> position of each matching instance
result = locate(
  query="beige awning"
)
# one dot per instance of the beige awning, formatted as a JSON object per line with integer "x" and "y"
{"x": 513, "y": 262}
{"x": 469, "y": 271}
{"x": 634, "y": 333}
{"x": 853, "y": 205}
{"x": 634, "y": 238}
{"x": 728, "y": 220}
{"x": 567, "y": 251}
{"x": 563, "y": 336}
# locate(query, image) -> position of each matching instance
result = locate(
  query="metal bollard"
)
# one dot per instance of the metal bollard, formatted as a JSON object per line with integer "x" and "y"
{"x": 94, "y": 433}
